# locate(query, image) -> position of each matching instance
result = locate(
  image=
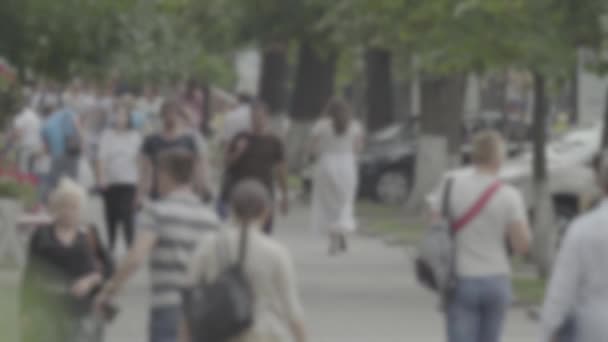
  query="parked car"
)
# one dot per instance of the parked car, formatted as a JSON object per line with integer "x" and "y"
{"x": 388, "y": 163}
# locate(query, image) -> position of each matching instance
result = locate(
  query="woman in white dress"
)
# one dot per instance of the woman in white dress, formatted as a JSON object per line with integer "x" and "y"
{"x": 336, "y": 140}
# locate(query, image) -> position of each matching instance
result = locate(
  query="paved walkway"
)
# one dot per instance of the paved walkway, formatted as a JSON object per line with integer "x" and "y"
{"x": 368, "y": 295}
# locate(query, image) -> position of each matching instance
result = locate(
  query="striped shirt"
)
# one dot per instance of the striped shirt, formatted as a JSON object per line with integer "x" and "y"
{"x": 178, "y": 221}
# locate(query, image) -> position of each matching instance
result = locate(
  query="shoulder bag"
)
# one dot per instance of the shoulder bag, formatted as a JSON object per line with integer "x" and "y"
{"x": 435, "y": 264}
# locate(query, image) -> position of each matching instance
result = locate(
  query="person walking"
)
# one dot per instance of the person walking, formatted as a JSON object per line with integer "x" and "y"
{"x": 259, "y": 155}
{"x": 577, "y": 293}
{"x": 26, "y": 133}
{"x": 61, "y": 275}
{"x": 173, "y": 135}
{"x": 268, "y": 267}
{"x": 476, "y": 307}
{"x": 117, "y": 173}
{"x": 336, "y": 140}
{"x": 61, "y": 134}
{"x": 167, "y": 233}
{"x": 235, "y": 122}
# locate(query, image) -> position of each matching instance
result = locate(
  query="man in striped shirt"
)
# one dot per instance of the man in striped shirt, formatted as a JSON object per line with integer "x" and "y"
{"x": 168, "y": 230}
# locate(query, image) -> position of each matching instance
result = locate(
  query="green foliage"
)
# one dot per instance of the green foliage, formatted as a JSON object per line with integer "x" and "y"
{"x": 20, "y": 192}
{"x": 449, "y": 36}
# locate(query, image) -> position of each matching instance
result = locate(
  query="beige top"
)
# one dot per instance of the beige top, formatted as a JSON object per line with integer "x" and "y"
{"x": 270, "y": 270}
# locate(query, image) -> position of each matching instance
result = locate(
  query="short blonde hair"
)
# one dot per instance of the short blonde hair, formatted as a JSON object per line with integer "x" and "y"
{"x": 488, "y": 147}
{"x": 66, "y": 189}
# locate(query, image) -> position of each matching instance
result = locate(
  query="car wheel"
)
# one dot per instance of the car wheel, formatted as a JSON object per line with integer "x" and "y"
{"x": 393, "y": 187}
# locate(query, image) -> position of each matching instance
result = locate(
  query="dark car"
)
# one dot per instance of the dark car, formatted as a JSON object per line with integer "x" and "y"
{"x": 386, "y": 166}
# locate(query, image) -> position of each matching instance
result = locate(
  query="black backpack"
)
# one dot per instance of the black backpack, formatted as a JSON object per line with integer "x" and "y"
{"x": 221, "y": 309}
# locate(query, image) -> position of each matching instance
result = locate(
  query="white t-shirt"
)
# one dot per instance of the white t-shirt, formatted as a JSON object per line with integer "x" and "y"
{"x": 29, "y": 123}
{"x": 118, "y": 153}
{"x": 481, "y": 243}
{"x": 235, "y": 122}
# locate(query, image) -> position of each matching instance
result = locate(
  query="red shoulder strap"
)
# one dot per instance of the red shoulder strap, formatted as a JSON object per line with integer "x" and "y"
{"x": 477, "y": 207}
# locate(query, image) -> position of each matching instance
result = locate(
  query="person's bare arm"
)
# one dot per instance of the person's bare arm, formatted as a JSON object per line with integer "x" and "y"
{"x": 520, "y": 237}
{"x": 359, "y": 143}
{"x": 139, "y": 252}
{"x": 144, "y": 186}
{"x": 235, "y": 151}
{"x": 99, "y": 173}
{"x": 183, "y": 331}
{"x": 282, "y": 176}
{"x": 202, "y": 181}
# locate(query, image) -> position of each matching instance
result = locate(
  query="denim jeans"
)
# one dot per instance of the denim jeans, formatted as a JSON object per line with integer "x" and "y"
{"x": 163, "y": 325}
{"x": 477, "y": 309}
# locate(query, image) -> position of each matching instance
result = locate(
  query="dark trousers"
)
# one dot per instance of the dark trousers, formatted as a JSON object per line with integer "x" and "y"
{"x": 119, "y": 207}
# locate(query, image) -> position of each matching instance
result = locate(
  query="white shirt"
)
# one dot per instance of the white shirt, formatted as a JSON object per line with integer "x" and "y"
{"x": 118, "y": 153}
{"x": 236, "y": 121}
{"x": 29, "y": 124}
{"x": 481, "y": 243}
{"x": 579, "y": 283}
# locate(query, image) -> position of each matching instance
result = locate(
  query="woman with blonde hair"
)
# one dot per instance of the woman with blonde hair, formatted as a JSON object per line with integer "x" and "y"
{"x": 481, "y": 211}
{"x": 337, "y": 138}
{"x": 61, "y": 274}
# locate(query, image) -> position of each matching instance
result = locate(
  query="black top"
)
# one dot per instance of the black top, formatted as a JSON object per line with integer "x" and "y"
{"x": 154, "y": 144}
{"x": 52, "y": 269}
{"x": 258, "y": 161}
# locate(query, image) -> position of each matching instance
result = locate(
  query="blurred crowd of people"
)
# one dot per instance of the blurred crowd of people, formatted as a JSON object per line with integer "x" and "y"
{"x": 146, "y": 153}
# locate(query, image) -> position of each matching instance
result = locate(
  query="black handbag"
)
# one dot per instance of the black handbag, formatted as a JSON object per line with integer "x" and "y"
{"x": 223, "y": 308}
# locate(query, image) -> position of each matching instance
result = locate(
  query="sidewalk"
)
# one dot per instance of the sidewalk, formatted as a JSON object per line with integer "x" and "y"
{"x": 368, "y": 295}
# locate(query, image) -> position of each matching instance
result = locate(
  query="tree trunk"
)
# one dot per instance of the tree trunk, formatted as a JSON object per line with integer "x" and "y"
{"x": 274, "y": 77}
{"x": 314, "y": 86}
{"x": 574, "y": 89}
{"x": 605, "y": 128}
{"x": 441, "y": 106}
{"x": 403, "y": 102}
{"x": 314, "y": 83}
{"x": 539, "y": 128}
{"x": 379, "y": 91}
{"x": 544, "y": 216}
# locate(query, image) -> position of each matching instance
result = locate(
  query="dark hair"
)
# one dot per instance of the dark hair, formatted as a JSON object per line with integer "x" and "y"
{"x": 171, "y": 105}
{"x": 127, "y": 106}
{"x": 340, "y": 113}
{"x": 244, "y": 98}
{"x": 259, "y": 105}
{"x": 191, "y": 86}
{"x": 178, "y": 163}
{"x": 249, "y": 199}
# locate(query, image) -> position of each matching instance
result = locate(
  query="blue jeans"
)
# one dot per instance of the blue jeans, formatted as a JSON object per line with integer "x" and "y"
{"x": 477, "y": 309}
{"x": 164, "y": 323}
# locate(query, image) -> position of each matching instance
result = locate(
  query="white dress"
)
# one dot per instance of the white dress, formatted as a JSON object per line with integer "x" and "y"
{"x": 335, "y": 178}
